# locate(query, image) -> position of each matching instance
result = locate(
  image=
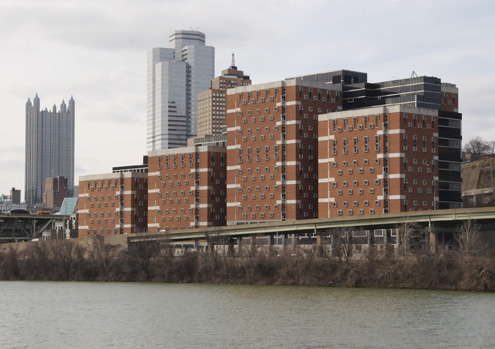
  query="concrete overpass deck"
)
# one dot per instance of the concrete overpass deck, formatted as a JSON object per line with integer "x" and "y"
{"x": 437, "y": 221}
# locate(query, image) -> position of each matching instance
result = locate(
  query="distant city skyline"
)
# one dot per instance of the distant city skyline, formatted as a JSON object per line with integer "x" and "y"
{"x": 97, "y": 52}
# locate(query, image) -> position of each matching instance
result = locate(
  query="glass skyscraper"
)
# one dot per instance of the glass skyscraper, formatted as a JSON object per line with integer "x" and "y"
{"x": 175, "y": 76}
{"x": 49, "y": 147}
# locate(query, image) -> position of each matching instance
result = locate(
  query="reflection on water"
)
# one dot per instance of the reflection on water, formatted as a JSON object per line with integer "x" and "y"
{"x": 137, "y": 315}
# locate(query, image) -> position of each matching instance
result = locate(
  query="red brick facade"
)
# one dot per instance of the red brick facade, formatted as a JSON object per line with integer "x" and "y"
{"x": 272, "y": 155}
{"x": 55, "y": 191}
{"x": 186, "y": 188}
{"x": 378, "y": 160}
{"x": 115, "y": 203}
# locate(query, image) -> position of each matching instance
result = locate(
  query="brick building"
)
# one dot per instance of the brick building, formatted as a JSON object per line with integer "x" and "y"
{"x": 322, "y": 145}
{"x": 272, "y": 154}
{"x": 186, "y": 188}
{"x": 396, "y": 147}
{"x": 114, "y": 203}
{"x": 211, "y": 103}
{"x": 378, "y": 160}
{"x": 56, "y": 189}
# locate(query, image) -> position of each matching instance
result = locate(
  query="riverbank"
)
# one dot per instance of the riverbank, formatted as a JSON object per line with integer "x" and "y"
{"x": 64, "y": 260}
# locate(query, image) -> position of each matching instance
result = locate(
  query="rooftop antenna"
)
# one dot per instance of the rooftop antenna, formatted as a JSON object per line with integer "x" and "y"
{"x": 233, "y": 60}
{"x": 413, "y": 74}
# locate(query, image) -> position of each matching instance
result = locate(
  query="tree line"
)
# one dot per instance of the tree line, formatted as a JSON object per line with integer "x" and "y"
{"x": 468, "y": 267}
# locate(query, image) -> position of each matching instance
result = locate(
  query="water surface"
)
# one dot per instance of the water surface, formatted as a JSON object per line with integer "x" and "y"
{"x": 142, "y": 315}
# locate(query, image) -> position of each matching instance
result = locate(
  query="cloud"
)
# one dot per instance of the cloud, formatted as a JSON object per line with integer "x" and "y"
{"x": 96, "y": 52}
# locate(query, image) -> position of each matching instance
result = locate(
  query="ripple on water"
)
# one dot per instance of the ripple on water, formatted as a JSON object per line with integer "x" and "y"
{"x": 138, "y": 315}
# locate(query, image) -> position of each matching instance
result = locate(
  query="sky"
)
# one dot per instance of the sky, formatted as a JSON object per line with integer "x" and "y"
{"x": 96, "y": 52}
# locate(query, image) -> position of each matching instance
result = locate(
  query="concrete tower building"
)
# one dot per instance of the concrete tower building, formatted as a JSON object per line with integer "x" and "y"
{"x": 175, "y": 77}
{"x": 211, "y": 103}
{"x": 49, "y": 147}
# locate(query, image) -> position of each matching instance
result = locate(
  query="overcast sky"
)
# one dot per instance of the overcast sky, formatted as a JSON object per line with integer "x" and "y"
{"x": 95, "y": 51}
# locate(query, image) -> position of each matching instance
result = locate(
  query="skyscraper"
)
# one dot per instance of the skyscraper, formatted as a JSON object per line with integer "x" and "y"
{"x": 175, "y": 77}
{"x": 49, "y": 147}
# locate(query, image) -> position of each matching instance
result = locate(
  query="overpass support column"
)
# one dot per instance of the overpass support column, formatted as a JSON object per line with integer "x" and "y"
{"x": 239, "y": 245}
{"x": 318, "y": 245}
{"x": 230, "y": 249}
{"x": 432, "y": 239}
{"x": 210, "y": 248}
{"x": 433, "y": 242}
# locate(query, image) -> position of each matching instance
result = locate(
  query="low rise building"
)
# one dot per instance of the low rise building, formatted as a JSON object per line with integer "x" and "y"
{"x": 186, "y": 188}
{"x": 114, "y": 203}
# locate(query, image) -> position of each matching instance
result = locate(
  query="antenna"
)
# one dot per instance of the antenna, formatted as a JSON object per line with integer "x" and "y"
{"x": 413, "y": 74}
{"x": 233, "y": 60}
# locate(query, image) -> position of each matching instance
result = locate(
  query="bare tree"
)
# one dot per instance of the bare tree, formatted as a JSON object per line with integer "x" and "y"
{"x": 371, "y": 255}
{"x": 41, "y": 255}
{"x": 142, "y": 251}
{"x": 409, "y": 237}
{"x": 470, "y": 240}
{"x": 325, "y": 242}
{"x": 66, "y": 254}
{"x": 476, "y": 148}
{"x": 100, "y": 254}
{"x": 342, "y": 243}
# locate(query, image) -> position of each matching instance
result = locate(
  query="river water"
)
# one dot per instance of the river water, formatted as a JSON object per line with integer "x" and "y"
{"x": 145, "y": 315}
